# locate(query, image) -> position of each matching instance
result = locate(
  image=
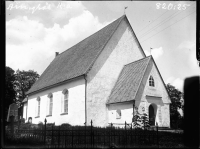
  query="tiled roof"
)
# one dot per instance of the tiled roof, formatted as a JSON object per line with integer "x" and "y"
{"x": 128, "y": 81}
{"x": 77, "y": 60}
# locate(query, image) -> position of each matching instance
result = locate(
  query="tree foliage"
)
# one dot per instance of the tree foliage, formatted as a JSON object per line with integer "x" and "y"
{"x": 16, "y": 85}
{"x": 176, "y": 103}
{"x": 136, "y": 119}
{"x": 141, "y": 120}
{"x": 23, "y": 82}
{"x": 10, "y": 94}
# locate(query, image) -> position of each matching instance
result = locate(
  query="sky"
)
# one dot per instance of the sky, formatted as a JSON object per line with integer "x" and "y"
{"x": 35, "y": 30}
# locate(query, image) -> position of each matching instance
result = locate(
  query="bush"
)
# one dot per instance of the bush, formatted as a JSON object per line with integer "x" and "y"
{"x": 66, "y": 126}
{"x": 22, "y": 121}
{"x": 20, "y": 140}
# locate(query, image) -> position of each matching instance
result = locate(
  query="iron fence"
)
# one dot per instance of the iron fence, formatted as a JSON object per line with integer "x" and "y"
{"x": 91, "y": 137}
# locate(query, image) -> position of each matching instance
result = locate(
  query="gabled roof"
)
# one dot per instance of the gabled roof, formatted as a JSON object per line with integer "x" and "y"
{"x": 77, "y": 60}
{"x": 128, "y": 81}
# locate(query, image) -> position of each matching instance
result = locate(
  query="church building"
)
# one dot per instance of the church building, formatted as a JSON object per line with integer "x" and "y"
{"x": 102, "y": 78}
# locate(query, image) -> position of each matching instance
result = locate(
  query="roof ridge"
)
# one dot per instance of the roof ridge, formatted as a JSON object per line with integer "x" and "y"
{"x": 92, "y": 34}
{"x": 139, "y": 60}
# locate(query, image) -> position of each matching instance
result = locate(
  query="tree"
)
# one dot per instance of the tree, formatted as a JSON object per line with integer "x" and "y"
{"x": 176, "y": 103}
{"x": 10, "y": 93}
{"x": 145, "y": 120}
{"x": 23, "y": 82}
{"x": 136, "y": 119}
{"x": 141, "y": 120}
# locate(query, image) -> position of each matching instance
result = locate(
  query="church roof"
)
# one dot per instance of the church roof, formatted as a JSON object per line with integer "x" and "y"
{"x": 77, "y": 60}
{"x": 128, "y": 81}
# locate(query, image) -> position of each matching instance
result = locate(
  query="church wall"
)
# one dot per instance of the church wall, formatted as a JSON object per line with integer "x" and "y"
{"x": 76, "y": 104}
{"x": 24, "y": 110}
{"x": 158, "y": 96}
{"x": 126, "y": 113}
{"x": 120, "y": 50}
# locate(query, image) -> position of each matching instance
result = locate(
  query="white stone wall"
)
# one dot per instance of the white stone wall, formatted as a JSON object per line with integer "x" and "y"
{"x": 126, "y": 113}
{"x": 76, "y": 104}
{"x": 120, "y": 50}
{"x": 159, "y": 96}
{"x": 24, "y": 110}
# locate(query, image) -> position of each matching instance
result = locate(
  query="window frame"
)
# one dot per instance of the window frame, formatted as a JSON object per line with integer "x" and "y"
{"x": 49, "y": 104}
{"x": 118, "y": 114}
{"x": 38, "y": 101}
{"x": 65, "y": 102}
{"x": 151, "y": 81}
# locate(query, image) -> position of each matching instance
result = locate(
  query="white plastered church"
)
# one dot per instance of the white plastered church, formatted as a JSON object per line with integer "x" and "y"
{"x": 100, "y": 79}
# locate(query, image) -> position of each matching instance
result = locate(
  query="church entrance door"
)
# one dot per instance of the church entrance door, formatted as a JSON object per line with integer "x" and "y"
{"x": 152, "y": 114}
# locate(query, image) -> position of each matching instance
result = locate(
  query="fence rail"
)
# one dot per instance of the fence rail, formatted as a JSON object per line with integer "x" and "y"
{"x": 89, "y": 136}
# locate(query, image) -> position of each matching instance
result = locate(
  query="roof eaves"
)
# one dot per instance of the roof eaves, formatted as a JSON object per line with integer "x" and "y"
{"x": 54, "y": 85}
{"x": 120, "y": 102}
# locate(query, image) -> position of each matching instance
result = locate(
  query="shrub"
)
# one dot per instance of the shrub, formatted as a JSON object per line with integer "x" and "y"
{"x": 66, "y": 126}
{"x": 22, "y": 121}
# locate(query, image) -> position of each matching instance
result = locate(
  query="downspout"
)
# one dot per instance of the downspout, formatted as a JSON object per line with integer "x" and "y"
{"x": 85, "y": 99}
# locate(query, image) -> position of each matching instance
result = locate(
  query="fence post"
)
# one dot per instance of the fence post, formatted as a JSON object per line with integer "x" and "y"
{"x": 126, "y": 135}
{"x": 52, "y": 135}
{"x": 72, "y": 137}
{"x": 58, "y": 136}
{"x": 85, "y": 135}
{"x": 104, "y": 136}
{"x": 111, "y": 134}
{"x": 157, "y": 134}
{"x": 45, "y": 122}
{"x": 131, "y": 134}
{"x": 91, "y": 133}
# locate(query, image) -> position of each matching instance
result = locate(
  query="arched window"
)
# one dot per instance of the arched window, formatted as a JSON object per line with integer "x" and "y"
{"x": 37, "y": 107}
{"x": 49, "y": 104}
{"x": 118, "y": 114}
{"x": 151, "y": 81}
{"x": 64, "y": 104}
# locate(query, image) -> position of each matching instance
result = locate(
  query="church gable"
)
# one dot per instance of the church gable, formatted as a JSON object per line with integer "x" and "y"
{"x": 121, "y": 49}
{"x": 152, "y": 85}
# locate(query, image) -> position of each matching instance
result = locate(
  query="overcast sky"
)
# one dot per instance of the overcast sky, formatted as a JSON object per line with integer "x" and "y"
{"x": 36, "y": 30}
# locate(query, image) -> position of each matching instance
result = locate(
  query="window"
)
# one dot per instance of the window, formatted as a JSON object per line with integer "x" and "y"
{"x": 64, "y": 104}
{"x": 49, "y": 104}
{"x": 38, "y": 107}
{"x": 151, "y": 81}
{"x": 118, "y": 114}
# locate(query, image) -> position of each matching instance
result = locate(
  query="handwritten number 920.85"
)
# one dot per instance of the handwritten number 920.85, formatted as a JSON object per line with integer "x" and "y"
{"x": 171, "y": 6}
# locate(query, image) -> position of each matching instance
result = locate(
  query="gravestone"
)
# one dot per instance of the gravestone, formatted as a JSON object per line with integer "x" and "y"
{"x": 13, "y": 111}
